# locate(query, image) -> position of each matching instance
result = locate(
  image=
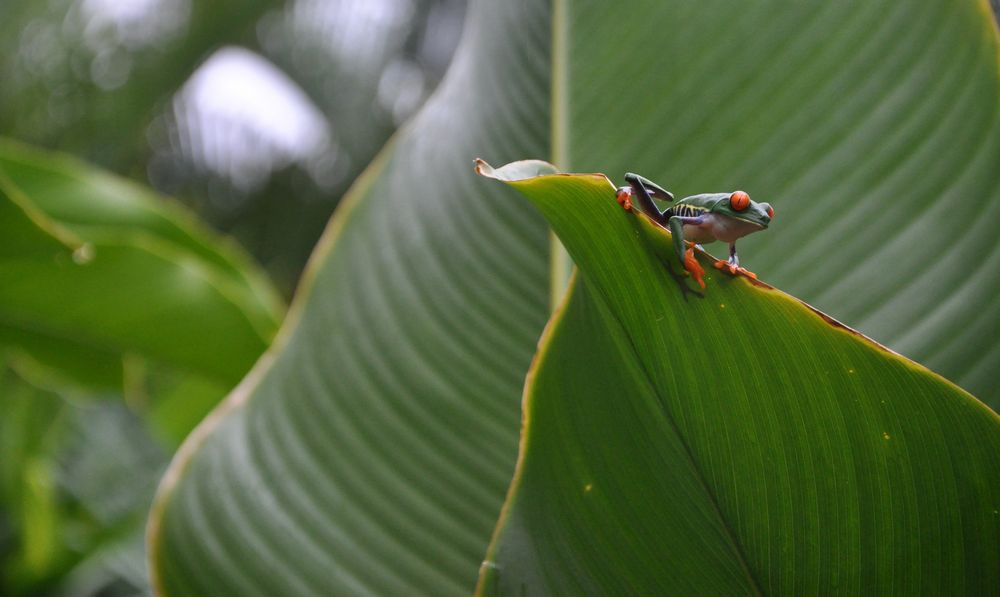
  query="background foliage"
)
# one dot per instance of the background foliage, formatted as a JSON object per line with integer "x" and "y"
{"x": 123, "y": 85}
{"x": 873, "y": 131}
{"x": 119, "y": 84}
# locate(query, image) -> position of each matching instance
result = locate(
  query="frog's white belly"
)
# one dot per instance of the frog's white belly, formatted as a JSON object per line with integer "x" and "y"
{"x": 718, "y": 227}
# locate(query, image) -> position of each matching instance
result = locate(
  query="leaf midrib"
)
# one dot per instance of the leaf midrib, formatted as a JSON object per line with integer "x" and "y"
{"x": 619, "y": 328}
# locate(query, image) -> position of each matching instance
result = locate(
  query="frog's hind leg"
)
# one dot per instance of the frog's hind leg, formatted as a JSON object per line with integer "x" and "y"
{"x": 649, "y": 186}
{"x": 643, "y": 190}
{"x": 732, "y": 264}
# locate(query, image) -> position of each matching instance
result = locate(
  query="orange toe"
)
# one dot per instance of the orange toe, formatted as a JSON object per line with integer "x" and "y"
{"x": 624, "y": 198}
{"x": 726, "y": 266}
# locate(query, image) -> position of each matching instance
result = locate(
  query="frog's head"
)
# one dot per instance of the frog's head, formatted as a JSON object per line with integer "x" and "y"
{"x": 739, "y": 206}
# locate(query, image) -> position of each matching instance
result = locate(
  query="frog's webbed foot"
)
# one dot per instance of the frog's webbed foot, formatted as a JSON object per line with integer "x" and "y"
{"x": 733, "y": 269}
{"x": 693, "y": 267}
{"x": 733, "y": 265}
{"x": 624, "y": 197}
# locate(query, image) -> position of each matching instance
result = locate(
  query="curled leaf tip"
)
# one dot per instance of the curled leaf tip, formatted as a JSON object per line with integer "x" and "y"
{"x": 482, "y": 168}
{"x": 515, "y": 171}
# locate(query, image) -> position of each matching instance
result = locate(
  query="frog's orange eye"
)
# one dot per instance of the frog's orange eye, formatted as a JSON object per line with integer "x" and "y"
{"x": 739, "y": 200}
{"x": 770, "y": 211}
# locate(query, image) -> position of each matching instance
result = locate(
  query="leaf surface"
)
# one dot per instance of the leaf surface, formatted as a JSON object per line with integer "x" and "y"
{"x": 740, "y": 443}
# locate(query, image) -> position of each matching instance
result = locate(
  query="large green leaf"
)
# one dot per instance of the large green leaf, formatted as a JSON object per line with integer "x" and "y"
{"x": 370, "y": 452}
{"x": 371, "y": 449}
{"x": 873, "y": 129}
{"x": 738, "y": 444}
{"x": 93, "y": 267}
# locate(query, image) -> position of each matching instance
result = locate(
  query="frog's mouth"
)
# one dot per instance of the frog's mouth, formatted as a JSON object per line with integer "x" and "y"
{"x": 758, "y": 225}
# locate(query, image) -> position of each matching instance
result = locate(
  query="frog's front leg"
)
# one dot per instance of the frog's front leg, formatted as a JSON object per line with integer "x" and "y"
{"x": 733, "y": 265}
{"x": 686, "y": 255}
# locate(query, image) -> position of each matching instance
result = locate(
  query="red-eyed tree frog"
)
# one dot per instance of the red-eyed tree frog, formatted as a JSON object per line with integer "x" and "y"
{"x": 699, "y": 219}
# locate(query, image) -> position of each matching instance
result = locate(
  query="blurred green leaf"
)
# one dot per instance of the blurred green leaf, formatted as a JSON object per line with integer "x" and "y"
{"x": 370, "y": 450}
{"x": 31, "y": 418}
{"x": 59, "y": 363}
{"x": 175, "y": 404}
{"x": 40, "y": 532}
{"x": 97, "y": 268}
{"x": 76, "y": 481}
{"x": 772, "y": 451}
